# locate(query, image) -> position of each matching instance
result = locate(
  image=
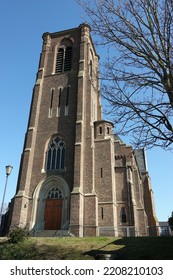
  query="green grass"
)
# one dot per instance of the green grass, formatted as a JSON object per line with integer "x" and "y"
{"x": 87, "y": 248}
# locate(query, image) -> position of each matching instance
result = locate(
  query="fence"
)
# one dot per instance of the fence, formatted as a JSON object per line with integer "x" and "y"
{"x": 132, "y": 231}
{"x": 160, "y": 231}
{"x": 129, "y": 231}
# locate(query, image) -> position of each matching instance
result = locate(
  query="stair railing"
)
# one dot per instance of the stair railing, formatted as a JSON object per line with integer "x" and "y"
{"x": 64, "y": 226}
{"x": 36, "y": 227}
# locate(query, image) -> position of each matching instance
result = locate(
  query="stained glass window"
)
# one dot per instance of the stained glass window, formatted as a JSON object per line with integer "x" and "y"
{"x": 55, "y": 159}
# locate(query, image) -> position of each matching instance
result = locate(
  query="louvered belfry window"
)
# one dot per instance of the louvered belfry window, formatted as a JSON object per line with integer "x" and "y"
{"x": 59, "y": 61}
{"x": 67, "y": 61}
{"x": 63, "y": 60}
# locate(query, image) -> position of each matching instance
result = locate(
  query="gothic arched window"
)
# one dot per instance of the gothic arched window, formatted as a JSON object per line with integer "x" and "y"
{"x": 123, "y": 215}
{"x": 63, "y": 60}
{"x": 54, "y": 193}
{"x": 55, "y": 159}
{"x": 91, "y": 69}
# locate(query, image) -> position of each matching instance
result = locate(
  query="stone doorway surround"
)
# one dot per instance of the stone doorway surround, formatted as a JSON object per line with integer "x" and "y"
{"x": 39, "y": 201}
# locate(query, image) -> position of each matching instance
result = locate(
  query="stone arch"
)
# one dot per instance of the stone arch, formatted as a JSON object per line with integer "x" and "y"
{"x": 39, "y": 198}
{"x": 66, "y": 42}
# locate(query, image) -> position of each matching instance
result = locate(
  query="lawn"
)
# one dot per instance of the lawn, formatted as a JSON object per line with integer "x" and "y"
{"x": 73, "y": 248}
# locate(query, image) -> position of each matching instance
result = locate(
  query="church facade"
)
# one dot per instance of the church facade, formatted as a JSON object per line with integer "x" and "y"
{"x": 75, "y": 174}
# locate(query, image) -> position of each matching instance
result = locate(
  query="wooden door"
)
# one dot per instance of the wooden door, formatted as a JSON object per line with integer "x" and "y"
{"x": 53, "y": 214}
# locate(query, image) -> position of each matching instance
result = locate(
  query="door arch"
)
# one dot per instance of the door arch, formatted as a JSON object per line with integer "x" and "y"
{"x": 40, "y": 196}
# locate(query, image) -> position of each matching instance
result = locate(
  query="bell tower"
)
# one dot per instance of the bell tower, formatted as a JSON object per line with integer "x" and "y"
{"x": 58, "y": 158}
{"x": 75, "y": 173}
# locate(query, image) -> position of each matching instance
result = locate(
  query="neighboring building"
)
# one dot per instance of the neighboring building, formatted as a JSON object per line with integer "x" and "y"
{"x": 75, "y": 174}
{"x": 164, "y": 229}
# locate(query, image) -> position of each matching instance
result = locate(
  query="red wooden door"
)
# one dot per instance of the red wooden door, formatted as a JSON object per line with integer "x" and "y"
{"x": 53, "y": 214}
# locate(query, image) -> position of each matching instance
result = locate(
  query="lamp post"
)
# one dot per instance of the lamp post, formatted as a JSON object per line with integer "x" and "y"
{"x": 8, "y": 169}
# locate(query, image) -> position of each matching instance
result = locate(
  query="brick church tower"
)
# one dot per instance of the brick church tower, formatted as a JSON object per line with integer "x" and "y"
{"x": 75, "y": 174}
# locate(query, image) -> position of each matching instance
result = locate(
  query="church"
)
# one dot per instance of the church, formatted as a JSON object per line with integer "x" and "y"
{"x": 76, "y": 176}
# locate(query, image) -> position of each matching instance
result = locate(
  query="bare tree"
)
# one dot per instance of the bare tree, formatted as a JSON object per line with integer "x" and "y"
{"x": 170, "y": 221}
{"x": 137, "y": 77}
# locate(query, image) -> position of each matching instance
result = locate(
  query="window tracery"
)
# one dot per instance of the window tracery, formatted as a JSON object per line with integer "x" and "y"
{"x": 56, "y": 154}
{"x": 55, "y": 193}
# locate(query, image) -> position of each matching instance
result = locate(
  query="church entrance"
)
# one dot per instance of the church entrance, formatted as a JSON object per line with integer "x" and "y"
{"x": 53, "y": 214}
{"x": 53, "y": 210}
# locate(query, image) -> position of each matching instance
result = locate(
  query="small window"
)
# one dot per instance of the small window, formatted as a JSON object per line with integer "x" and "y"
{"x": 123, "y": 215}
{"x": 51, "y": 103}
{"x": 67, "y": 96}
{"x": 102, "y": 214}
{"x": 100, "y": 130}
{"x": 108, "y": 129}
{"x": 101, "y": 172}
{"x": 59, "y": 97}
{"x": 91, "y": 68}
{"x": 59, "y": 102}
{"x": 67, "y": 101}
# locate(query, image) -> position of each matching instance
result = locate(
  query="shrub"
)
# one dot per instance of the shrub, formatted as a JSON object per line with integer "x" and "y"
{"x": 18, "y": 235}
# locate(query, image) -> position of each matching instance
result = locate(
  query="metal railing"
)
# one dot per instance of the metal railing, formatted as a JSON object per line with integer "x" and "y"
{"x": 124, "y": 231}
{"x": 160, "y": 231}
{"x": 37, "y": 227}
{"x": 132, "y": 231}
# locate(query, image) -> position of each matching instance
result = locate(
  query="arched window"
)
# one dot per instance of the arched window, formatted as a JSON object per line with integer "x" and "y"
{"x": 59, "y": 102}
{"x": 100, "y": 130}
{"x": 67, "y": 101}
{"x": 55, "y": 159}
{"x": 59, "y": 99}
{"x": 123, "y": 215}
{"x": 67, "y": 96}
{"x": 91, "y": 69}
{"x": 63, "y": 60}
{"x": 51, "y": 102}
{"x": 54, "y": 193}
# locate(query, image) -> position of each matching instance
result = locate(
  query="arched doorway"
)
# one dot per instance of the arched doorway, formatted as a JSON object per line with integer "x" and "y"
{"x": 51, "y": 200}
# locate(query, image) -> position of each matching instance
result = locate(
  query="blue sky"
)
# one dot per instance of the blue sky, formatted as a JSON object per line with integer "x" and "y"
{"x": 22, "y": 23}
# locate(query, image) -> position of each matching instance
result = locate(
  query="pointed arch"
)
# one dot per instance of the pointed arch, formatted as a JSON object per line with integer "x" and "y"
{"x": 50, "y": 185}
